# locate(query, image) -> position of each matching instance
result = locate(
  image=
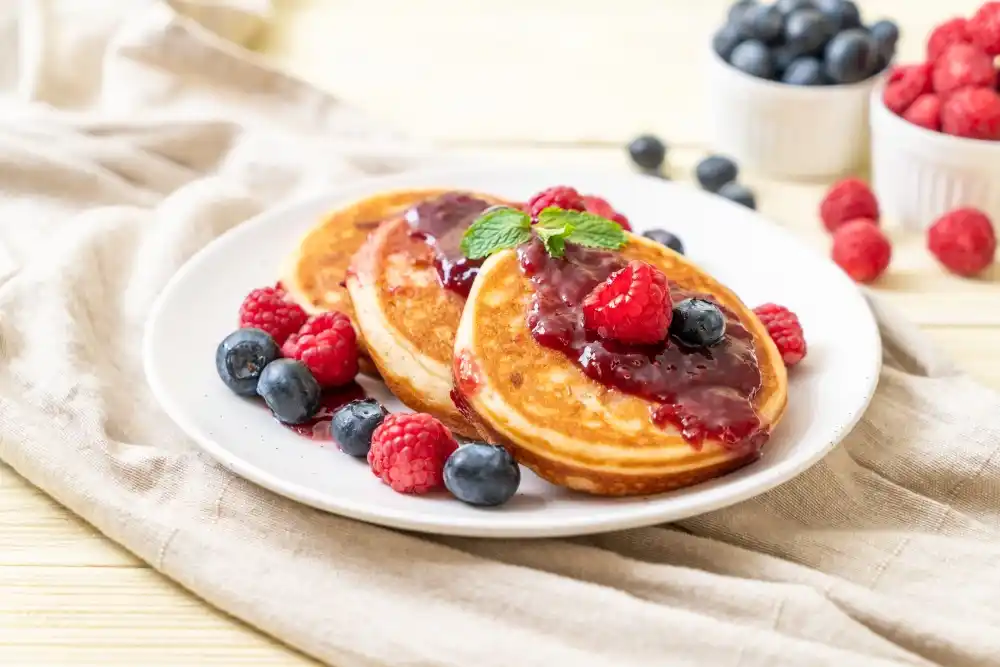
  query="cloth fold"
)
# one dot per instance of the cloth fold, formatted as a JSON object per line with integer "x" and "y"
{"x": 134, "y": 133}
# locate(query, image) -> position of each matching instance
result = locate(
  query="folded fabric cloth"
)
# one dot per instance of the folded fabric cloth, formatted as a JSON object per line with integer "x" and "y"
{"x": 128, "y": 144}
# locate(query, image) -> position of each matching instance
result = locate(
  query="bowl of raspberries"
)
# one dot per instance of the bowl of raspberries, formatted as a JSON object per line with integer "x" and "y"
{"x": 790, "y": 84}
{"x": 935, "y": 125}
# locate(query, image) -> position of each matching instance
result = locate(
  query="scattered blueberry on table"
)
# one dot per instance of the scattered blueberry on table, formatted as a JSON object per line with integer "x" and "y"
{"x": 481, "y": 474}
{"x": 738, "y": 193}
{"x": 241, "y": 358}
{"x": 353, "y": 425}
{"x": 290, "y": 390}
{"x": 785, "y": 42}
{"x": 715, "y": 171}
{"x": 648, "y": 152}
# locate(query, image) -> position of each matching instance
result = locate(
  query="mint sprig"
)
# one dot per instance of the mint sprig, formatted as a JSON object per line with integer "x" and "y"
{"x": 499, "y": 228}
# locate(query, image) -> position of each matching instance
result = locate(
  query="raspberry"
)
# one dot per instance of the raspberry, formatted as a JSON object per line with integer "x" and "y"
{"x": 861, "y": 250}
{"x": 409, "y": 451}
{"x": 268, "y": 308}
{"x": 984, "y": 28}
{"x": 955, "y": 31}
{"x": 632, "y": 305}
{"x": 963, "y": 66}
{"x": 963, "y": 240}
{"x": 328, "y": 347}
{"x": 925, "y": 112}
{"x": 785, "y": 330}
{"x": 972, "y": 113}
{"x": 599, "y": 206}
{"x": 559, "y": 196}
{"x": 848, "y": 200}
{"x": 905, "y": 84}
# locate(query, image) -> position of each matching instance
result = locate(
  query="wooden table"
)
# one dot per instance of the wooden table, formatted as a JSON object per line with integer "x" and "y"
{"x": 561, "y": 82}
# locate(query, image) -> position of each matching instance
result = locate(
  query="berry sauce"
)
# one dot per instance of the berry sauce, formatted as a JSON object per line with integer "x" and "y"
{"x": 442, "y": 222}
{"x": 318, "y": 428}
{"x": 704, "y": 392}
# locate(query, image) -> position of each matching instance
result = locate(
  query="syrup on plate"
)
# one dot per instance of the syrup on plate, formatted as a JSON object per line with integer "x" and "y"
{"x": 704, "y": 392}
{"x": 318, "y": 428}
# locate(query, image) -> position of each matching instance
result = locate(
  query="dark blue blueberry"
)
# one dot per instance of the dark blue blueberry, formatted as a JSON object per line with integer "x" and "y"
{"x": 697, "y": 323}
{"x": 725, "y": 40}
{"x": 715, "y": 171}
{"x": 851, "y": 56}
{"x": 647, "y": 151}
{"x": 843, "y": 14}
{"x": 241, "y": 358}
{"x": 740, "y": 194}
{"x": 481, "y": 474}
{"x": 762, "y": 22}
{"x": 784, "y": 56}
{"x": 738, "y": 9}
{"x": 664, "y": 237}
{"x": 885, "y": 34}
{"x": 753, "y": 58}
{"x": 805, "y": 72}
{"x": 290, "y": 390}
{"x": 808, "y": 31}
{"x": 353, "y": 425}
{"x": 788, "y": 6}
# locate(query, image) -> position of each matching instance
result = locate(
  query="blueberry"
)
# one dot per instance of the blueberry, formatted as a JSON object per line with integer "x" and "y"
{"x": 647, "y": 151}
{"x": 738, "y": 9}
{"x": 697, "y": 323}
{"x": 740, "y": 194}
{"x": 843, "y": 14}
{"x": 715, "y": 171}
{"x": 664, "y": 237}
{"x": 242, "y": 356}
{"x": 851, "y": 56}
{"x": 784, "y": 56}
{"x": 290, "y": 390}
{"x": 885, "y": 34}
{"x": 725, "y": 40}
{"x": 353, "y": 425}
{"x": 753, "y": 58}
{"x": 808, "y": 31}
{"x": 761, "y": 22}
{"x": 805, "y": 72}
{"x": 481, "y": 474}
{"x": 786, "y": 7}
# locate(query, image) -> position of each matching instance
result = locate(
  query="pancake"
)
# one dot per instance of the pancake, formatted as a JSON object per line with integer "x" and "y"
{"x": 580, "y": 433}
{"x": 404, "y": 311}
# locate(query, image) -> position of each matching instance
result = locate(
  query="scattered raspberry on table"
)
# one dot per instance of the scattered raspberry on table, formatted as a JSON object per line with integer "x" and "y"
{"x": 848, "y": 200}
{"x": 785, "y": 330}
{"x": 408, "y": 452}
{"x": 269, "y": 308}
{"x": 861, "y": 250}
{"x": 963, "y": 241}
{"x": 632, "y": 305}
{"x": 328, "y": 346}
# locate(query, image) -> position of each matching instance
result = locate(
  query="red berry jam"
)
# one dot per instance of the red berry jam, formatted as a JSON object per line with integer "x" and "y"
{"x": 704, "y": 392}
{"x": 318, "y": 428}
{"x": 442, "y": 222}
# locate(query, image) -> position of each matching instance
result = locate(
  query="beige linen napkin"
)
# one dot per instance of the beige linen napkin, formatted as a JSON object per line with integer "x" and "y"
{"x": 126, "y": 145}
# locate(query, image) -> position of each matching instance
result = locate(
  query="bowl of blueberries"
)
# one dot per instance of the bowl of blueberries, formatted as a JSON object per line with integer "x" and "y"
{"x": 790, "y": 83}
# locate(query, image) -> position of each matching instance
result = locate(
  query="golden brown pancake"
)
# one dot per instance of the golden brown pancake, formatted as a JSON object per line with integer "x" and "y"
{"x": 573, "y": 430}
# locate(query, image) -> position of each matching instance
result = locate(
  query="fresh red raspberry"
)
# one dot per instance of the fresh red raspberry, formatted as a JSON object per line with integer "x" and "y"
{"x": 328, "y": 346}
{"x": 905, "y": 84}
{"x": 848, "y": 200}
{"x": 955, "y": 31}
{"x": 600, "y": 206}
{"x": 984, "y": 28}
{"x": 559, "y": 196}
{"x": 963, "y": 240}
{"x": 925, "y": 112}
{"x": 409, "y": 451}
{"x": 785, "y": 330}
{"x": 861, "y": 250}
{"x": 632, "y": 305}
{"x": 972, "y": 113}
{"x": 963, "y": 66}
{"x": 268, "y": 308}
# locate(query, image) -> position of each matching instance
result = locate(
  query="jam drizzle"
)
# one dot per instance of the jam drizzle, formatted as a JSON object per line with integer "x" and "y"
{"x": 318, "y": 427}
{"x": 441, "y": 222}
{"x": 705, "y": 392}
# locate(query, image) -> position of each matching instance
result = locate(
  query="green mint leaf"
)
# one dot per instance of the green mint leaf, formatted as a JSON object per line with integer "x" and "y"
{"x": 553, "y": 238}
{"x": 581, "y": 228}
{"x": 496, "y": 229}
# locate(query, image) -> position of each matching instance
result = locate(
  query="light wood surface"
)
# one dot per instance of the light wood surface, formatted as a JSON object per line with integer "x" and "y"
{"x": 554, "y": 81}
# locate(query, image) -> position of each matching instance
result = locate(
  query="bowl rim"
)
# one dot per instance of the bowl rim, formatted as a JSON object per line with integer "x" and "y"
{"x": 802, "y": 91}
{"x": 945, "y": 141}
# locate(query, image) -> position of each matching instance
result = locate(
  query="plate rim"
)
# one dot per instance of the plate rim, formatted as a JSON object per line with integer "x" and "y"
{"x": 638, "y": 515}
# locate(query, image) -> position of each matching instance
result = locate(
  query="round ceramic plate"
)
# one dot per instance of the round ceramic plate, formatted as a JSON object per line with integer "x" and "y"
{"x": 760, "y": 261}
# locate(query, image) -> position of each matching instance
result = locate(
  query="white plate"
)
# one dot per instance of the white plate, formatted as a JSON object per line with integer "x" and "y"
{"x": 760, "y": 261}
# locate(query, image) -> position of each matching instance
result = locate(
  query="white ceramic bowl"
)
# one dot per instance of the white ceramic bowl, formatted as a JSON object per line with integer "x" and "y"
{"x": 918, "y": 175}
{"x": 784, "y": 130}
